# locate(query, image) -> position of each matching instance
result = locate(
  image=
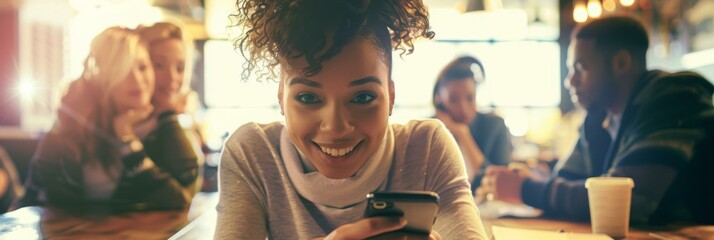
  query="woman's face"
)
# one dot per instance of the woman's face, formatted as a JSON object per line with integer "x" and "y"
{"x": 338, "y": 118}
{"x": 169, "y": 60}
{"x": 459, "y": 99}
{"x": 137, "y": 87}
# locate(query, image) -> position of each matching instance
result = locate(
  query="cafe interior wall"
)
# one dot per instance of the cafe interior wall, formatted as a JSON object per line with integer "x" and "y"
{"x": 54, "y": 45}
{"x": 681, "y": 31}
{"x": 55, "y": 36}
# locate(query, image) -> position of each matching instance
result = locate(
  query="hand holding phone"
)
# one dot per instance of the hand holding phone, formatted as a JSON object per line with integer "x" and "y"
{"x": 419, "y": 208}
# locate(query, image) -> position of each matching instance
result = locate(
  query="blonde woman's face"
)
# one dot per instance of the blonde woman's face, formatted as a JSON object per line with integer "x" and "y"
{"x": 138, "y": 86}
{"x": 169, "y": 60}
{"x": 338, "y": 118}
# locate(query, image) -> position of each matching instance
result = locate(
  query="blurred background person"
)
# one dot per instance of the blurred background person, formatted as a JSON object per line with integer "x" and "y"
{"x": 170, "y": 49}
{"x": 10, "y": 185}
{"x": 483, "y": 138}
{"x": 109, "y": 149}
{"x": 652, "y": 126}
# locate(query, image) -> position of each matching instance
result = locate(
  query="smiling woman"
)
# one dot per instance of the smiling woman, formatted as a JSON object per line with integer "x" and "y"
{"x": 344, "y": 107}
{"x": 309, "y": 176}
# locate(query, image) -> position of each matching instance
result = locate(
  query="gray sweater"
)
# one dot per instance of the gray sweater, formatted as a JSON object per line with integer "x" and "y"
{"x": 258, "y": 199}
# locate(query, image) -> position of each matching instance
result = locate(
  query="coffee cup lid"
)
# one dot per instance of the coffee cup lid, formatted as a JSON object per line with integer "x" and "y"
{"x": 609, "y": 182}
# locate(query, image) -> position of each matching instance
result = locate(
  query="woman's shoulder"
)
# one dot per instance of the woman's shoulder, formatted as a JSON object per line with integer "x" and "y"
{"x": 253, "y": 150}
{"x": 58, "y": 147}
{"x": 424, "y": 125}
{"x": 254, "y": 134}
{"x": 490, "y": 117}
{"x": 419, "y": 131}
{"x": 489, "y": 122}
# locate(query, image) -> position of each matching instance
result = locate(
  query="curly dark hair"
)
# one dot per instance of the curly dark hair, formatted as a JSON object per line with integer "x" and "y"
{"x": 278, "y": 30}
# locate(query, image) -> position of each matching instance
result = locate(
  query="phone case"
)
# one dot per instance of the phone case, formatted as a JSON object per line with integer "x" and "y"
{"x": 418, "y": 207}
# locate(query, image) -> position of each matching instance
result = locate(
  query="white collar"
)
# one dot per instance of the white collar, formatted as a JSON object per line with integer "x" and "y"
{"x": 338, "y": 193}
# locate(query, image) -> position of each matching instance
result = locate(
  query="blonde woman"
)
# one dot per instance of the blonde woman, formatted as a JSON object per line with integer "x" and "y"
{"x": 107, "y": 152}
{"x": 170, "y": 49}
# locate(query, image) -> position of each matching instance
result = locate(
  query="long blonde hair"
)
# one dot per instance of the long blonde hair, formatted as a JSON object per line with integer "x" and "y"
{"x": 89, "y": 123}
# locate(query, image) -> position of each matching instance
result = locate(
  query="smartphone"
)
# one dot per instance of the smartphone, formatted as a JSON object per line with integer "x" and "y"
{"x": 418, "y": 207}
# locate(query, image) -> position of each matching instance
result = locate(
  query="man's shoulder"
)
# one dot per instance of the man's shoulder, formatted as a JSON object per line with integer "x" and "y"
{"x": 665, "y": 80}
{"x": 671, "y": 87}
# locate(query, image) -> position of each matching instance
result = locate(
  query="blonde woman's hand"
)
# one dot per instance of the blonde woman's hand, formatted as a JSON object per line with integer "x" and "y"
{"x": 174, "y": 102}
{"x": 367, "y": 228}
{"x": 124, "y": 122}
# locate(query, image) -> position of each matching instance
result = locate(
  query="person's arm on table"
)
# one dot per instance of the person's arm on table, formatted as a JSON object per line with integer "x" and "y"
{"x": 569, "y": 198}
{"x": 166, "y": 170}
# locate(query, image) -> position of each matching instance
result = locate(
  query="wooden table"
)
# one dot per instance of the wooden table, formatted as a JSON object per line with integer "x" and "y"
{"x": 204, "y": 226}
{"x": 636, "y": 233}
{"x": 199, "y": 222}
{"x": 49, "y": 223}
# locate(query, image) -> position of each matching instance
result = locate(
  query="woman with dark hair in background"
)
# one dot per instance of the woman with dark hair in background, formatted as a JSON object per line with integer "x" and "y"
{"x": 483, "y": 138}
{"x": 308, "y": 177}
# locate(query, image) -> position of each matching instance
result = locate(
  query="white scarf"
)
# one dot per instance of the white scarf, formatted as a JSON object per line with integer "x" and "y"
{"x": 338, "y": 193}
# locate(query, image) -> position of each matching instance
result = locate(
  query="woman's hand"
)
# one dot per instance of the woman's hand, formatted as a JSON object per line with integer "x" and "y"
{"x": 459, "y": 130}
{"x": 174, "y": 102}
{"x": 367, "y": 228}
{"x": 124, "y": 122}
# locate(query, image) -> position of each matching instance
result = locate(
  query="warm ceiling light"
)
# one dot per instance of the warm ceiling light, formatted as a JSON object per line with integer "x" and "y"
{"x": 580, "y": 13}
{"x": 609, "y": 5}
{"x": 627, "y": 3}
{"x": 594, "y": 8}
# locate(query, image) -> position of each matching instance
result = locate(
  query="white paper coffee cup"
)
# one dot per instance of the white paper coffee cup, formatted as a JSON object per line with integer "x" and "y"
{"x": 610, "y": 199}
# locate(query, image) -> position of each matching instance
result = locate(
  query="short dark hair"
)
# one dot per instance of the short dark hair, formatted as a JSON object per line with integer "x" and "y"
{"x": 612, "y": 34}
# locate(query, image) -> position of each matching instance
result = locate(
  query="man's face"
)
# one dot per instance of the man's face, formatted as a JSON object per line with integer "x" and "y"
{"x": 590, "y": 80}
